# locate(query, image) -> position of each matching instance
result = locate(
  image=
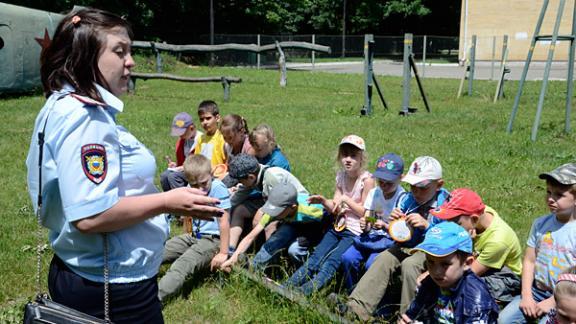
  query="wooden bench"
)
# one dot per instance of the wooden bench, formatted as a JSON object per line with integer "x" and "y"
{"x": 224, "y": 80}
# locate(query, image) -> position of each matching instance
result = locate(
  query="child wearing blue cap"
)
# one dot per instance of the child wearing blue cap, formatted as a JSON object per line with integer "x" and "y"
{"x": 452, "y": 293}
{"x": 377, "y": 208}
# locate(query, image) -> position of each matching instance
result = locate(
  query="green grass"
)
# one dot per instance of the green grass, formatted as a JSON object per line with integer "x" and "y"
{"x": 310, "y": 116}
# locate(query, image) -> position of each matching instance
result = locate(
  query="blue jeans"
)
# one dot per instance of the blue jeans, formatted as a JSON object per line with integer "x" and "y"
{"x": 323, "y": 263}
{"x": 511, "y": 314}
{"x": 281, "y": 239}
{"x": 352, "y": 261}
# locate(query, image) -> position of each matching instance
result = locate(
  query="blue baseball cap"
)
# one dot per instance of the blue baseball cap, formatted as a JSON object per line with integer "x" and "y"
{"x": 389, "y": 167}
{"x": 445, "y": 238}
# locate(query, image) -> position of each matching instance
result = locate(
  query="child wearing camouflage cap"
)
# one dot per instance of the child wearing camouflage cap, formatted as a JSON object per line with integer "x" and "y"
{"x": 550, "y": 249}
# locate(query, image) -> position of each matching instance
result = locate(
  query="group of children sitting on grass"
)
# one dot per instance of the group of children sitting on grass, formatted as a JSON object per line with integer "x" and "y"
{"x": 456, "y": 259}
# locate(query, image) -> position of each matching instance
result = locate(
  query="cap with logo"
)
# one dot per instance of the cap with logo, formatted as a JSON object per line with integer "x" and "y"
{"x": 389, "y": 167}
{"x": 180, "y": 123}
{"x": 445, "y": 238}
{"x": 423, "y": 170}
{"x": 461, "y": 201}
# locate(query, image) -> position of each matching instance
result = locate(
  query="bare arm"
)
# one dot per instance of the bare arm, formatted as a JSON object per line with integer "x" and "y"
{"x": 479, "y": 269}
{"x": 222, "y": 255}
{"x": 527, "y": 303}
{"x": 242, "y": 247}
{"x": 129, "y": 211}
{"x": 358, "y": 208}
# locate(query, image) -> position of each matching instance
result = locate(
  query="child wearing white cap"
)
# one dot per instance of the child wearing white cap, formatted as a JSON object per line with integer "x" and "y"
{"x": 426, "y": 192}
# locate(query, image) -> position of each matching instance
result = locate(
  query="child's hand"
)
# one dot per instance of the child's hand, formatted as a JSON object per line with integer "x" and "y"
{"x": 417, "y": 221}
{"x": 232, "y": 190}
{"x": 404, "y": 319}
{"x": 545, "y": 306}
{"x": 171, "y": 164}
{"x": 421, "y": 278}
{"x": 380, "y": 224}
{"x": 529, "y": 307}
{"x": 227, "y": 266}
{"x": 217, "y": 261}
{"x": 397, "y": 213}
{"x": 316, "y": 199}
{"x": 363, "y": 223}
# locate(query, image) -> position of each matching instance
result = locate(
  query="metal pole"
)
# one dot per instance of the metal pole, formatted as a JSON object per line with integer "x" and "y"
{"x": 424, "y": 43}
{"x": 211, "y": 30}
{"x": 526, "y": 65}
{"x": 472, "y": 64}
{"x": 344, "y": 28}
{"x": 258, "y": 55}
{"x": 547, "y": 71}
{"x": 493, "y": 58}
{"x": 368, "y": 71}
{"x": 504, "y": 48}
{"x": 313, "y": 52}
{"x": 570, "y": 73}
{"x": 406, "y": 74}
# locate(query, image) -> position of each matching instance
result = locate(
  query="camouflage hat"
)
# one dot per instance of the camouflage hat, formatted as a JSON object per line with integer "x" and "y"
{"x": 242, "y": 165}
{"x": 564, "y": 174}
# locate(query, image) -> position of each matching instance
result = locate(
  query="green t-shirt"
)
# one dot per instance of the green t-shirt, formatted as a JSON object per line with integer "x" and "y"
{"x": 306, "y": 213}
{"x": 498, "y": 245}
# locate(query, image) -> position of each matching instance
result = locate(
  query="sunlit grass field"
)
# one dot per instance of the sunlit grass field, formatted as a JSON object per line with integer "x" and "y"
{"x": 310, "y": 116}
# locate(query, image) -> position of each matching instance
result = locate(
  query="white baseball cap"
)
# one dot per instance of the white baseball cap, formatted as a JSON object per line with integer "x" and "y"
{"x": 423, "y": 170}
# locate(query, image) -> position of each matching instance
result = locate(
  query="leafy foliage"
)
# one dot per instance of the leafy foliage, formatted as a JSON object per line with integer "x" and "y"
{"x": 186, "y": 21}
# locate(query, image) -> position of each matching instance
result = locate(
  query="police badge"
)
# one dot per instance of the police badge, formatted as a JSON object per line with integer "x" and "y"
{"x": 94, "y": 162}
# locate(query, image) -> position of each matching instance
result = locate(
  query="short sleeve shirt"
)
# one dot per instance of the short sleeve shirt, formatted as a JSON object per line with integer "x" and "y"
{"x": 89, "y": 163}
{"x": 212, "y": 147}
{"x": 217, "y": 190}
{"x": 275, "y": 159}
{"x": 555, "y": 245}
{"x": 375, "y": 201}
{"x": 498, "y": 245}
{"x": 190, "y": 144}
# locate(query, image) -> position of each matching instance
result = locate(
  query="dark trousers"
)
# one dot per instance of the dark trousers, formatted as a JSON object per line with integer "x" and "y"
{"x": 129, "y": 303}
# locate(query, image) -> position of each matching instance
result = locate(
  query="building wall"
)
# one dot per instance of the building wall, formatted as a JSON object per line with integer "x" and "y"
{"x": 516, "y": 18}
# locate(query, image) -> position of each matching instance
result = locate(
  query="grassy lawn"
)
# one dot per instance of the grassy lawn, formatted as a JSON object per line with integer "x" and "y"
{"x": 310, "y": 116}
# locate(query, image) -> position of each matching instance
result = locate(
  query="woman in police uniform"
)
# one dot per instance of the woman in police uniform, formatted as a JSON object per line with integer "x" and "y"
{"x": 97, "y": 177}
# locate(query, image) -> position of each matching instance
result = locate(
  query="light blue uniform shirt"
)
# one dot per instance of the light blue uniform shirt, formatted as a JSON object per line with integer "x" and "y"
{"x": 217, "y": 190}
{"x": 69, "y": 194}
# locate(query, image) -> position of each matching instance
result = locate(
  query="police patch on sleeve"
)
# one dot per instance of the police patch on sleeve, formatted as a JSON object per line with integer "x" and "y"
{"x": 94, "y": 162}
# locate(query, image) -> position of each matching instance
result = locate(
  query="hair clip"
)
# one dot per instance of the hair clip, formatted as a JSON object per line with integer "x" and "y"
{"x": 76, "y": 19}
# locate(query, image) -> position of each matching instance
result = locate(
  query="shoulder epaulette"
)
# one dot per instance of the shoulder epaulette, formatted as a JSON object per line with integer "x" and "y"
{"x": 87, "y": 101}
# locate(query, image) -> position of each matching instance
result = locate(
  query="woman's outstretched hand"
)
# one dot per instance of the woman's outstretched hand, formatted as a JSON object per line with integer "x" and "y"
{"x": 191, "y": 202}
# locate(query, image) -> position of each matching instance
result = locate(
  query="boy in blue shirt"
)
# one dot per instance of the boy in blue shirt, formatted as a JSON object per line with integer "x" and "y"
{"x": 295, "y": 215}
{"x": 452, "y": 293}
{"x": 207, "y": 245}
